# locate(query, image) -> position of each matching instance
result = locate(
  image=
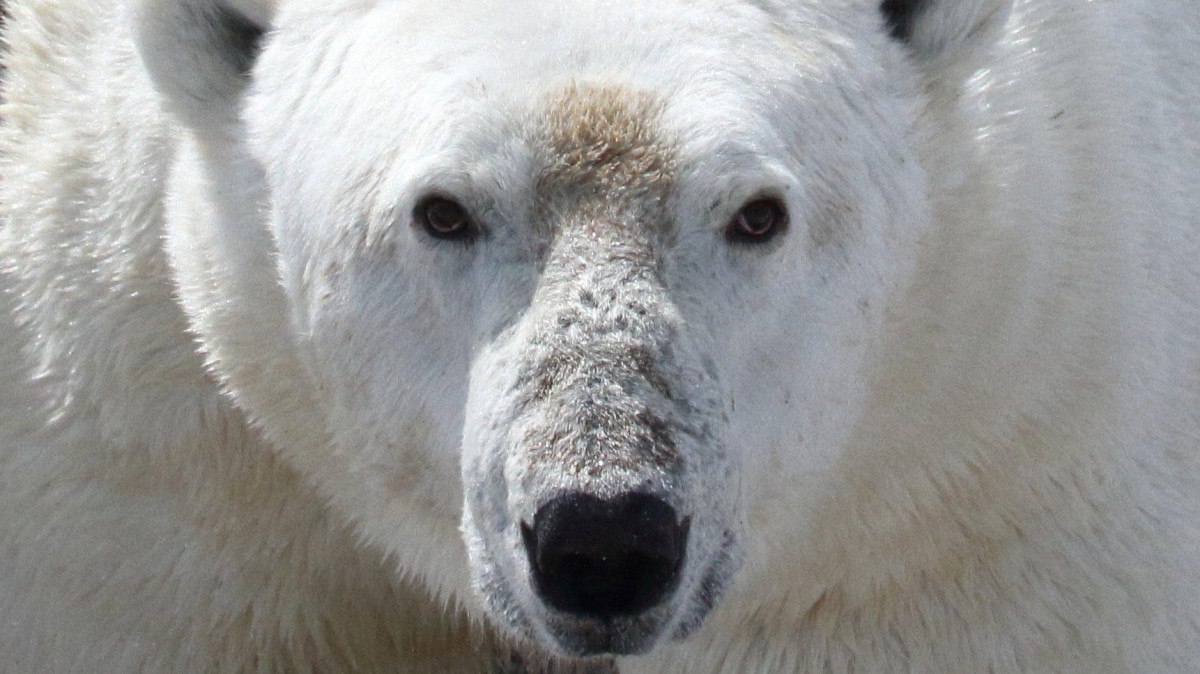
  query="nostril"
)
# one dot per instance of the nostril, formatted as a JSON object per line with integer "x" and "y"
{"x": 603, "y": 558}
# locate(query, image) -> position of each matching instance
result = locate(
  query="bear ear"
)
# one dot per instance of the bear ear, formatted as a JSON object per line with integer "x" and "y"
{"x": 200, "y": 52}
{"x": 942, "y": 31}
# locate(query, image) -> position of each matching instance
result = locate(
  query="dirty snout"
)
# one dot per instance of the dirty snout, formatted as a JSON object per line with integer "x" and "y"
{"x": 598, "y": 517}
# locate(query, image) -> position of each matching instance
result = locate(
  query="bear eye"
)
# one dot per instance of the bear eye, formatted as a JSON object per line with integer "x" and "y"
{"x": 758, "y": 221}
{"x": 443, "y": 218}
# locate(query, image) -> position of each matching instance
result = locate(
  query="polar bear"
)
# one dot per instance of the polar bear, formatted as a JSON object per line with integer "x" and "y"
{"x": 662, "y": 336}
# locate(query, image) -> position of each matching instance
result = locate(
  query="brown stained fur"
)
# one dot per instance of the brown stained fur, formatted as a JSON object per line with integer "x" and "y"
{"x": 598, "y": 438}
{"x": 605, "y": 175}
{"x": 601, "y": 150}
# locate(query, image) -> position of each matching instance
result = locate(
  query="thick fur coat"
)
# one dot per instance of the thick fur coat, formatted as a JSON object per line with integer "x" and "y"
{"x": 258, "y": 414}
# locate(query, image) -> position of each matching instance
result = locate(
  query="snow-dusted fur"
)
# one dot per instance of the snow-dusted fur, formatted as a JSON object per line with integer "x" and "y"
{"x": 253, "y": 418}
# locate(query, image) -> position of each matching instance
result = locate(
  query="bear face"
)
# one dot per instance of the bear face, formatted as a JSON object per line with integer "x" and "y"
{"x": 480, "y": 281}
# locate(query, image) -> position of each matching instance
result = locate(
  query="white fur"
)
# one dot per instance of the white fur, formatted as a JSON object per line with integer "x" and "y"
{"x": 251, "y": 419}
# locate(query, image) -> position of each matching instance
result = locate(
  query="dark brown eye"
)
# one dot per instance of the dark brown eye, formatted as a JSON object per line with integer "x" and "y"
{"x": 758, "y": 221}
{"x": 443, "y": 218}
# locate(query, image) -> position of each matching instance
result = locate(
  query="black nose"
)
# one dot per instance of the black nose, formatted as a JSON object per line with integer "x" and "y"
{"x": 604, "y": 558}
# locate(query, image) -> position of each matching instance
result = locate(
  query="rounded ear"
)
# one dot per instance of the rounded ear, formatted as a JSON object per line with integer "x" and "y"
{"x": 940, "y": 32}
{"x": 200, "y": 52}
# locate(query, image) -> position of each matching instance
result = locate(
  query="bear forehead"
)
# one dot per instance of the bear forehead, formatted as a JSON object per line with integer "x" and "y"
{"x": 602, "y": 145}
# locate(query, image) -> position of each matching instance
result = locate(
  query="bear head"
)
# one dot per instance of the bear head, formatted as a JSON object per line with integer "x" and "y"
{"x": 568, "y": 306}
